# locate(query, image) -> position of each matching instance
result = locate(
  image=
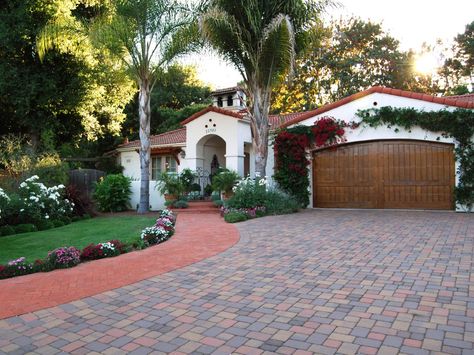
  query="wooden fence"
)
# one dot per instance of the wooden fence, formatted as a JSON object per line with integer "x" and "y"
{"x": 84, "y": 179}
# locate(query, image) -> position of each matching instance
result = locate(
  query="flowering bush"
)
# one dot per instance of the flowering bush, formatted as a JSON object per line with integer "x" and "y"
{"x": 34, "y": 203}
{"x": 102, "y": 250}
{"x": 4, "y": 200}
{"x": 161, "y": 231}
{"x": 248, "y": 193}
{"x": 64, "y": 257}
{"x": 15, "y": 267}
{"x": 252, "y": 212}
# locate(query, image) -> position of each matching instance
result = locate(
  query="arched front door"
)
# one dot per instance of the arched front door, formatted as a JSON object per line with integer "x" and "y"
{"x": 385, "y": 174}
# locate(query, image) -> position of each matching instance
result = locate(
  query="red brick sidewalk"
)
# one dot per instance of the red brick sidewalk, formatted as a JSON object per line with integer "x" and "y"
{"x": 198, "y": 236}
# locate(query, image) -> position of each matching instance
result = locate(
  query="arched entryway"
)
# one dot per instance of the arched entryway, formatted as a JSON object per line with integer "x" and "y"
{"x": 385, "y": 174}
{"x": 211, "y": 152}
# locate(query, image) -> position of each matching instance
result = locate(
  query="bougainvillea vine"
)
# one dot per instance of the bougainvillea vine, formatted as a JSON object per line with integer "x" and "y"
{"x": 291, "y": 147}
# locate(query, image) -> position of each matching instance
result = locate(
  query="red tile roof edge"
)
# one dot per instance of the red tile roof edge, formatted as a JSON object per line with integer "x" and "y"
{"x": 131, "y": 144}
{"x": 381, "y": 90}
{"x": 213, "y": 109}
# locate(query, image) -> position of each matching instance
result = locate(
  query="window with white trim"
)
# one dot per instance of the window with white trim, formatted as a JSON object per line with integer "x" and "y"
{"x": 160, "y": 164}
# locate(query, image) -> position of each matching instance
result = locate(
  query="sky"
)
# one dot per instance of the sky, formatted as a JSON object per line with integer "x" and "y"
{"x": 412, "y": 22}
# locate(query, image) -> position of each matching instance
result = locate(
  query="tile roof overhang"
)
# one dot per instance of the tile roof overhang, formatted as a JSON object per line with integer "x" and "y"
{"x": 455, "y": 101}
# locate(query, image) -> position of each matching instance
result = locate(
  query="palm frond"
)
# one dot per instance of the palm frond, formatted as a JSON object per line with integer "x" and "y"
{"x": 277, "y": 50}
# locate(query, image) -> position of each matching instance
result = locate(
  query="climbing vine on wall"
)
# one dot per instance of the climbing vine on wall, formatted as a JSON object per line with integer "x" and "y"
{"x": 458, "y": 124}
{"x": 291, "y": 148}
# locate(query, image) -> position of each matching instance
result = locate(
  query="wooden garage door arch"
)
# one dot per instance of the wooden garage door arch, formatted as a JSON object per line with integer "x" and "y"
{"x": 408, "y": 174}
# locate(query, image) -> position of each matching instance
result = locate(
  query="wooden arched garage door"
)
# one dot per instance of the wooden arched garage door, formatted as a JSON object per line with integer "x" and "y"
{"x": 385, "y": 174}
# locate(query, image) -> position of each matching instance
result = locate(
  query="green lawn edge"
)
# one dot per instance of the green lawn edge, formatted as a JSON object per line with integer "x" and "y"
{"x": 36, "y": 245}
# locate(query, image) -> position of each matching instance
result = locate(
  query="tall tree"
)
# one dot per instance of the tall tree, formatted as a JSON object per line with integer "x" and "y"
{"x": 345, "y": 57}
{"x": 65, "y": 96}
{"x": 146, "y": 35}
{"x": 457, "y": 71}
{"x": 260, "y": 38}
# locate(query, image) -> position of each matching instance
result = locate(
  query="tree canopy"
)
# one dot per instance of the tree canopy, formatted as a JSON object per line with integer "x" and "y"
{"x": 343, "y": 58}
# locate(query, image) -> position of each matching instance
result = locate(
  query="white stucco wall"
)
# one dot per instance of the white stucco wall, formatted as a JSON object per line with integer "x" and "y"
{"x": 234, "y": 131}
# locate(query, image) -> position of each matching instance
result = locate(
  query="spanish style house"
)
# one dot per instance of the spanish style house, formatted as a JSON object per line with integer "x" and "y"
{"x": 376, "y": 167}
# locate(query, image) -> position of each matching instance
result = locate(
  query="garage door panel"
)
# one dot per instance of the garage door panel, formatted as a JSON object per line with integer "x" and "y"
{"x": 385, "y": 174}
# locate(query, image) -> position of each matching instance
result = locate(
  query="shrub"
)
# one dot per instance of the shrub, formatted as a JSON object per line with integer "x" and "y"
{"x": 218, "y": 203}
{"x": 234, "y": 217}
{"x": 278, "y": 202}
{"x": 44, "y": 225}
{"x": 57, "y": 223}
{"x": 64, "y": 257}
{"x": 225, "y": 181}
{"x": 112, "y": 193}
{"x": 154, "y": 235}
{"x": 180, "y": 204}
{"x": 102, "y": 250}
{"x": 187, "y": 179}
{"x": 25, "y": 228}
{"x": 170, "y": 184}
{"x": 7, "y": 230}
{"x": 248, "y": 193}
{"x": 16, "y": 267}
{"x": 83, "y": 204}
{"x": 38, "y": 202}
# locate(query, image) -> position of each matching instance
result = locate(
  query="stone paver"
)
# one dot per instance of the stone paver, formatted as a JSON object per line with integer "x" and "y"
{"x": 320, "y": 281}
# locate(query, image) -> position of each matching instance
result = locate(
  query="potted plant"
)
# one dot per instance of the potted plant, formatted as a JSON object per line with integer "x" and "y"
{"x": 224, "y": 182}
{"x": 170, "y": 186}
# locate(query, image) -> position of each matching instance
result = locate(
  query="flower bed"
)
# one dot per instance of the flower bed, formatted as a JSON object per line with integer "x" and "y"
{"x": 66, "y": 257}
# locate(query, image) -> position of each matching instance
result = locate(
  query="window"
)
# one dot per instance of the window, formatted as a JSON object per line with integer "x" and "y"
{"x": 230, "y": 101}
{"x": 219, "y": 102}
{"x": 155, "y": 167}
{"x": 160, "y": 164}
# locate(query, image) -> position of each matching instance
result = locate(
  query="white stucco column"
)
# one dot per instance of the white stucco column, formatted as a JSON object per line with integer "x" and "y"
{"x": 235, "y": 162}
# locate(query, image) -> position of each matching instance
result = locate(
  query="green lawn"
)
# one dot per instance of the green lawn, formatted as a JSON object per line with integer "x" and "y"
{"x": 78, "y": 234}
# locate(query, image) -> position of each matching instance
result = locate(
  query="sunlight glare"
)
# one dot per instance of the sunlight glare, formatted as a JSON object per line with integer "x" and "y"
{"x": 426, "y": 64}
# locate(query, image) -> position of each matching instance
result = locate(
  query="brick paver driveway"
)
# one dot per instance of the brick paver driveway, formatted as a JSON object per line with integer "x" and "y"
{"x": 318, "y": 282}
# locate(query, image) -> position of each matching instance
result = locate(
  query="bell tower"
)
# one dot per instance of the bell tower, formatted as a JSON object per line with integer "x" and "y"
{"x": 233, "y": 98}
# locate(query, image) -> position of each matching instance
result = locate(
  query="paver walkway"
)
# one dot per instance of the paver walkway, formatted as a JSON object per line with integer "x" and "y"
{"x": 197, "y": 237}
{"x": 316, "y": 282}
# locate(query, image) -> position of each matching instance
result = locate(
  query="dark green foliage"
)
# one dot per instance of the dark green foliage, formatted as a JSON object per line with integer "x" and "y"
{"x": 57, "y": 223}
{"x": 44, "y": 225}
{"x": 225, "y": 181}
{"x": 277, "y": 202}
{"x": 112, "y": 193}
{"x": 218, "y": 203}
{"x": 25, "y": 228}
{"x": 234, "y": 217}
{"x": 6, "y": 230}
{"x": 83, "y": 204}
{"x": 180, "y": 204}
{"x": 458, "y": 124}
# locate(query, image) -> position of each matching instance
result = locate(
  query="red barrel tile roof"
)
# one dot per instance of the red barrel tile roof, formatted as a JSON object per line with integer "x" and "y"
{"x": 177, "y": 137}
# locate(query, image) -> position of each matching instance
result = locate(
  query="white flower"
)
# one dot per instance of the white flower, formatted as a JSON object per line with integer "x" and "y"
{"x": 46, "y": 217}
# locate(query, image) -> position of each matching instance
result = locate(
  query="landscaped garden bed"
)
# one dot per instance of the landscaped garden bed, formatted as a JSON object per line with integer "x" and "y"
{"x": 81, "y": 241}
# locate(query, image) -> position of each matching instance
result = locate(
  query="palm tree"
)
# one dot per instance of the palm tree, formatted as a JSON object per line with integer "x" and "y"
{"x": 260, "y": 38}
{"x": 146, "y": 35}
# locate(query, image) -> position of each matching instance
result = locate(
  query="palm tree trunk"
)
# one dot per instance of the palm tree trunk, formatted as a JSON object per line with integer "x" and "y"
{"x": 259, "y": 124}
{"x": 144, "y": 115}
